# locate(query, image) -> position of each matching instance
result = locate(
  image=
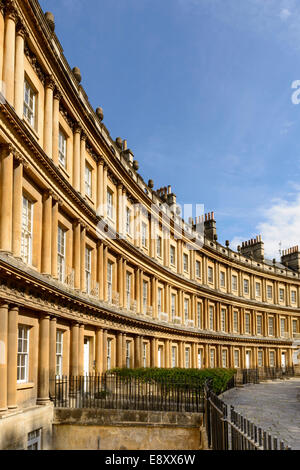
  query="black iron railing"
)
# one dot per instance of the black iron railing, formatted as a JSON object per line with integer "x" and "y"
{"x": 110, "y": 391}
{"x": 266, "y": 373}
{"x": 227, "y": 429}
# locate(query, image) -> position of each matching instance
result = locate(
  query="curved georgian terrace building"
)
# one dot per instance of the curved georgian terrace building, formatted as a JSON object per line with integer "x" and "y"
{"x": 75, "y": 300}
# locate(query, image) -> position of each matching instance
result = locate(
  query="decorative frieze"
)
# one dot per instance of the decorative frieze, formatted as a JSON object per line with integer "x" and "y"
{"x": 34, "y": 63}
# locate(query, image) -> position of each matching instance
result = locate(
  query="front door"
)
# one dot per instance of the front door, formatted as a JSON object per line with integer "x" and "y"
{"x": 248, "y": 357}
{"x": 283, "y": 360}
{"x": 86, "y": 363}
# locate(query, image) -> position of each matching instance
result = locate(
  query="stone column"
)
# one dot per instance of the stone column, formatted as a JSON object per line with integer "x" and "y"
{"x": 74, "y": 349}
{"x": 137, "y": 351}
{"x": 3, "y": 356}
{"x": 81, "y": 350}
{"x": 195, "y": 356}
{"x": 47, "y": 232}
{"x": 9, "y": 53}
{"x": 76, "y": 253}
{"x": 119, "y": 351}
{"x": 19, "y": 70}
{"x": 82, "y": 163}
{"x": 54, "y": 240}
{"x": 6, "y": 197}
{"x": 104, "y": 350}
{"x": 105, "y": 191}
{"x": 99, "y": 351}
{"x": 1, "y": 39}
{"x": 124, "y": 285}
{"x": 12, "y": 354}
{"x": 124, "y": 199}
{"x": 153, "y": 353}
{"x": 17, "y": 206}
{"x": 48, "y": 115}
{"x": 55, "y": 138}
{"x": 124, "y": 340}
{"x": 76, "y": 156}
{"x": 52, "y": 356}
{"x": 43, "y": 370}
{"x": 82, "y": 258}
{"x": 167, "y": 353}
{"x": 100, "y": 187}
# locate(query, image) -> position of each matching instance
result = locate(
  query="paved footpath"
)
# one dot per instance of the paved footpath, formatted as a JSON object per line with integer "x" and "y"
{"x": 272, "y": 405}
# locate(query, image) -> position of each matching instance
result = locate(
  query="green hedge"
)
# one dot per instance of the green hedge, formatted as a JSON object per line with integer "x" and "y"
{"x": 219, "y": 377}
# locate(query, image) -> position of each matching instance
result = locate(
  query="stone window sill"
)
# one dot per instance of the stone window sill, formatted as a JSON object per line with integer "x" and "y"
{"x": 25, "y": 386}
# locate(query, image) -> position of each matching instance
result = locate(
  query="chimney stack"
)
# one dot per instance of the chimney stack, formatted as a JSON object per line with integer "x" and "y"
{"x": 210, "y": 230}
{"x": 291, "y": 258}
{"x": 254, "y": 248}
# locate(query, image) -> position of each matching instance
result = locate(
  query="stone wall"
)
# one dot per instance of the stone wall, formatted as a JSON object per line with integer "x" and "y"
{"x": 15, "y": 426}
{"x": 122, "y": 430}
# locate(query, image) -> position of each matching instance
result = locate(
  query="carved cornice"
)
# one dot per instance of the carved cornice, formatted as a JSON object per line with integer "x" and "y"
{"x": 34, "y": 62}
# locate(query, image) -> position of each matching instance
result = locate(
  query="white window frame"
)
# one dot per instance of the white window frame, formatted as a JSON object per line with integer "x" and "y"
{"x": 185, "y": 263}
{"x": 29, "y": 106}
{"x": 88, "y": 179}
{"x": 187, "y": 358}
{"x": 172, "y": 255}
{"x": 269, "y": 292}
{"x": 247, "y": 323}
{"x": 258, "y": 289}
{"x": 23, "y": 354}
{"x": 145, "y": 297}
{"x": 144, "y": 235}
{"x": 235, "y": 321}
{"x": 282, "y": 326}
{"x": 236, "y": 358}
{"x": 271, "y": 326}
{"x": 59, "y": 353}
{"x": 211, "y": 314}
{"x": 224, "y": 358}
{"x": 186, "y": 309}
{"x": 27, "y": 230}
{"x": 222, "y": 278}
{"x": 223, "y": 319}
{"x": 34, "y": 440}
{"x": 293, "y": 296}
{"x": 272, "y": 358}
{"x": 159, "y": 299}
{"x": 109, "y": 281}
{"x": 198, "y": 269}
{"x": 174, "y": 356}
{"x": 281, "y": 294}
{"x": 260, "y": 359}
{"x": 128, "y": 348}
{"x": 246, "y": 286}
{"x": 128, "y": 221}
{"x": 88, "y": 269}
{"x": 108, "y": 358}
{"x": 173, "y": 306}
{"x": 62, "y": 148}
{"x": 234, "y": 283}
{"x": 128, "y": 290}
{"x": 259, "y": 324}
{"x": 210, "y": 274}
{"x": 110, "y": 204}
{"x": 61, "y": 254}
{"x": 145, "y": 355}
{"x": 212, "y": 358}
{"x": 199, "y": 315}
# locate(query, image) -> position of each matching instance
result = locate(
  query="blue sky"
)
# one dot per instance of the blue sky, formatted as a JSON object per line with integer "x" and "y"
{"x": 201, "y": 89}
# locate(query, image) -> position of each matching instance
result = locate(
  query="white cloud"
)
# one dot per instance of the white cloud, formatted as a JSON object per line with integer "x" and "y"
{"x": 280, "y": 224}
{"x": 285, "y": 14}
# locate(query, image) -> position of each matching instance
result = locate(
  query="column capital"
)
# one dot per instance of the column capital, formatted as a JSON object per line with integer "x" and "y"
{"x": 49, "y": 82}
{"x": 100, "y": 161}
{"x": 76, "y": 222}
{"x": 7, "y": 148}
{"x": 11, "y": 10}
{"x": 57, "y": 94}
{"x": 77, "y": 128}
{"x": 20, "y": 159}
{"x": 47, "y": 194}
{"x": 83, "y": 136}
{"x": 21, "y": 29}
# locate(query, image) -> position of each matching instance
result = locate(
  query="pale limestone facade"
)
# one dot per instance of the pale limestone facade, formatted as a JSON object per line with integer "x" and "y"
{"x": 83, "y": 304}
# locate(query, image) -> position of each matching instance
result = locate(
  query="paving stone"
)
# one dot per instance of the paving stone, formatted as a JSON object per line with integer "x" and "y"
{"x": 272, "y": 405}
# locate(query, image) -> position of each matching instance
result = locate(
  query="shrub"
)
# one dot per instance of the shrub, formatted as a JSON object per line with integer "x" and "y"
{"x": 218, "y": 378}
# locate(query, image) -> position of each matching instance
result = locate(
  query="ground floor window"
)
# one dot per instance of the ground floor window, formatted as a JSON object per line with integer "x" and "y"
{"x": 34, "y": 440}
